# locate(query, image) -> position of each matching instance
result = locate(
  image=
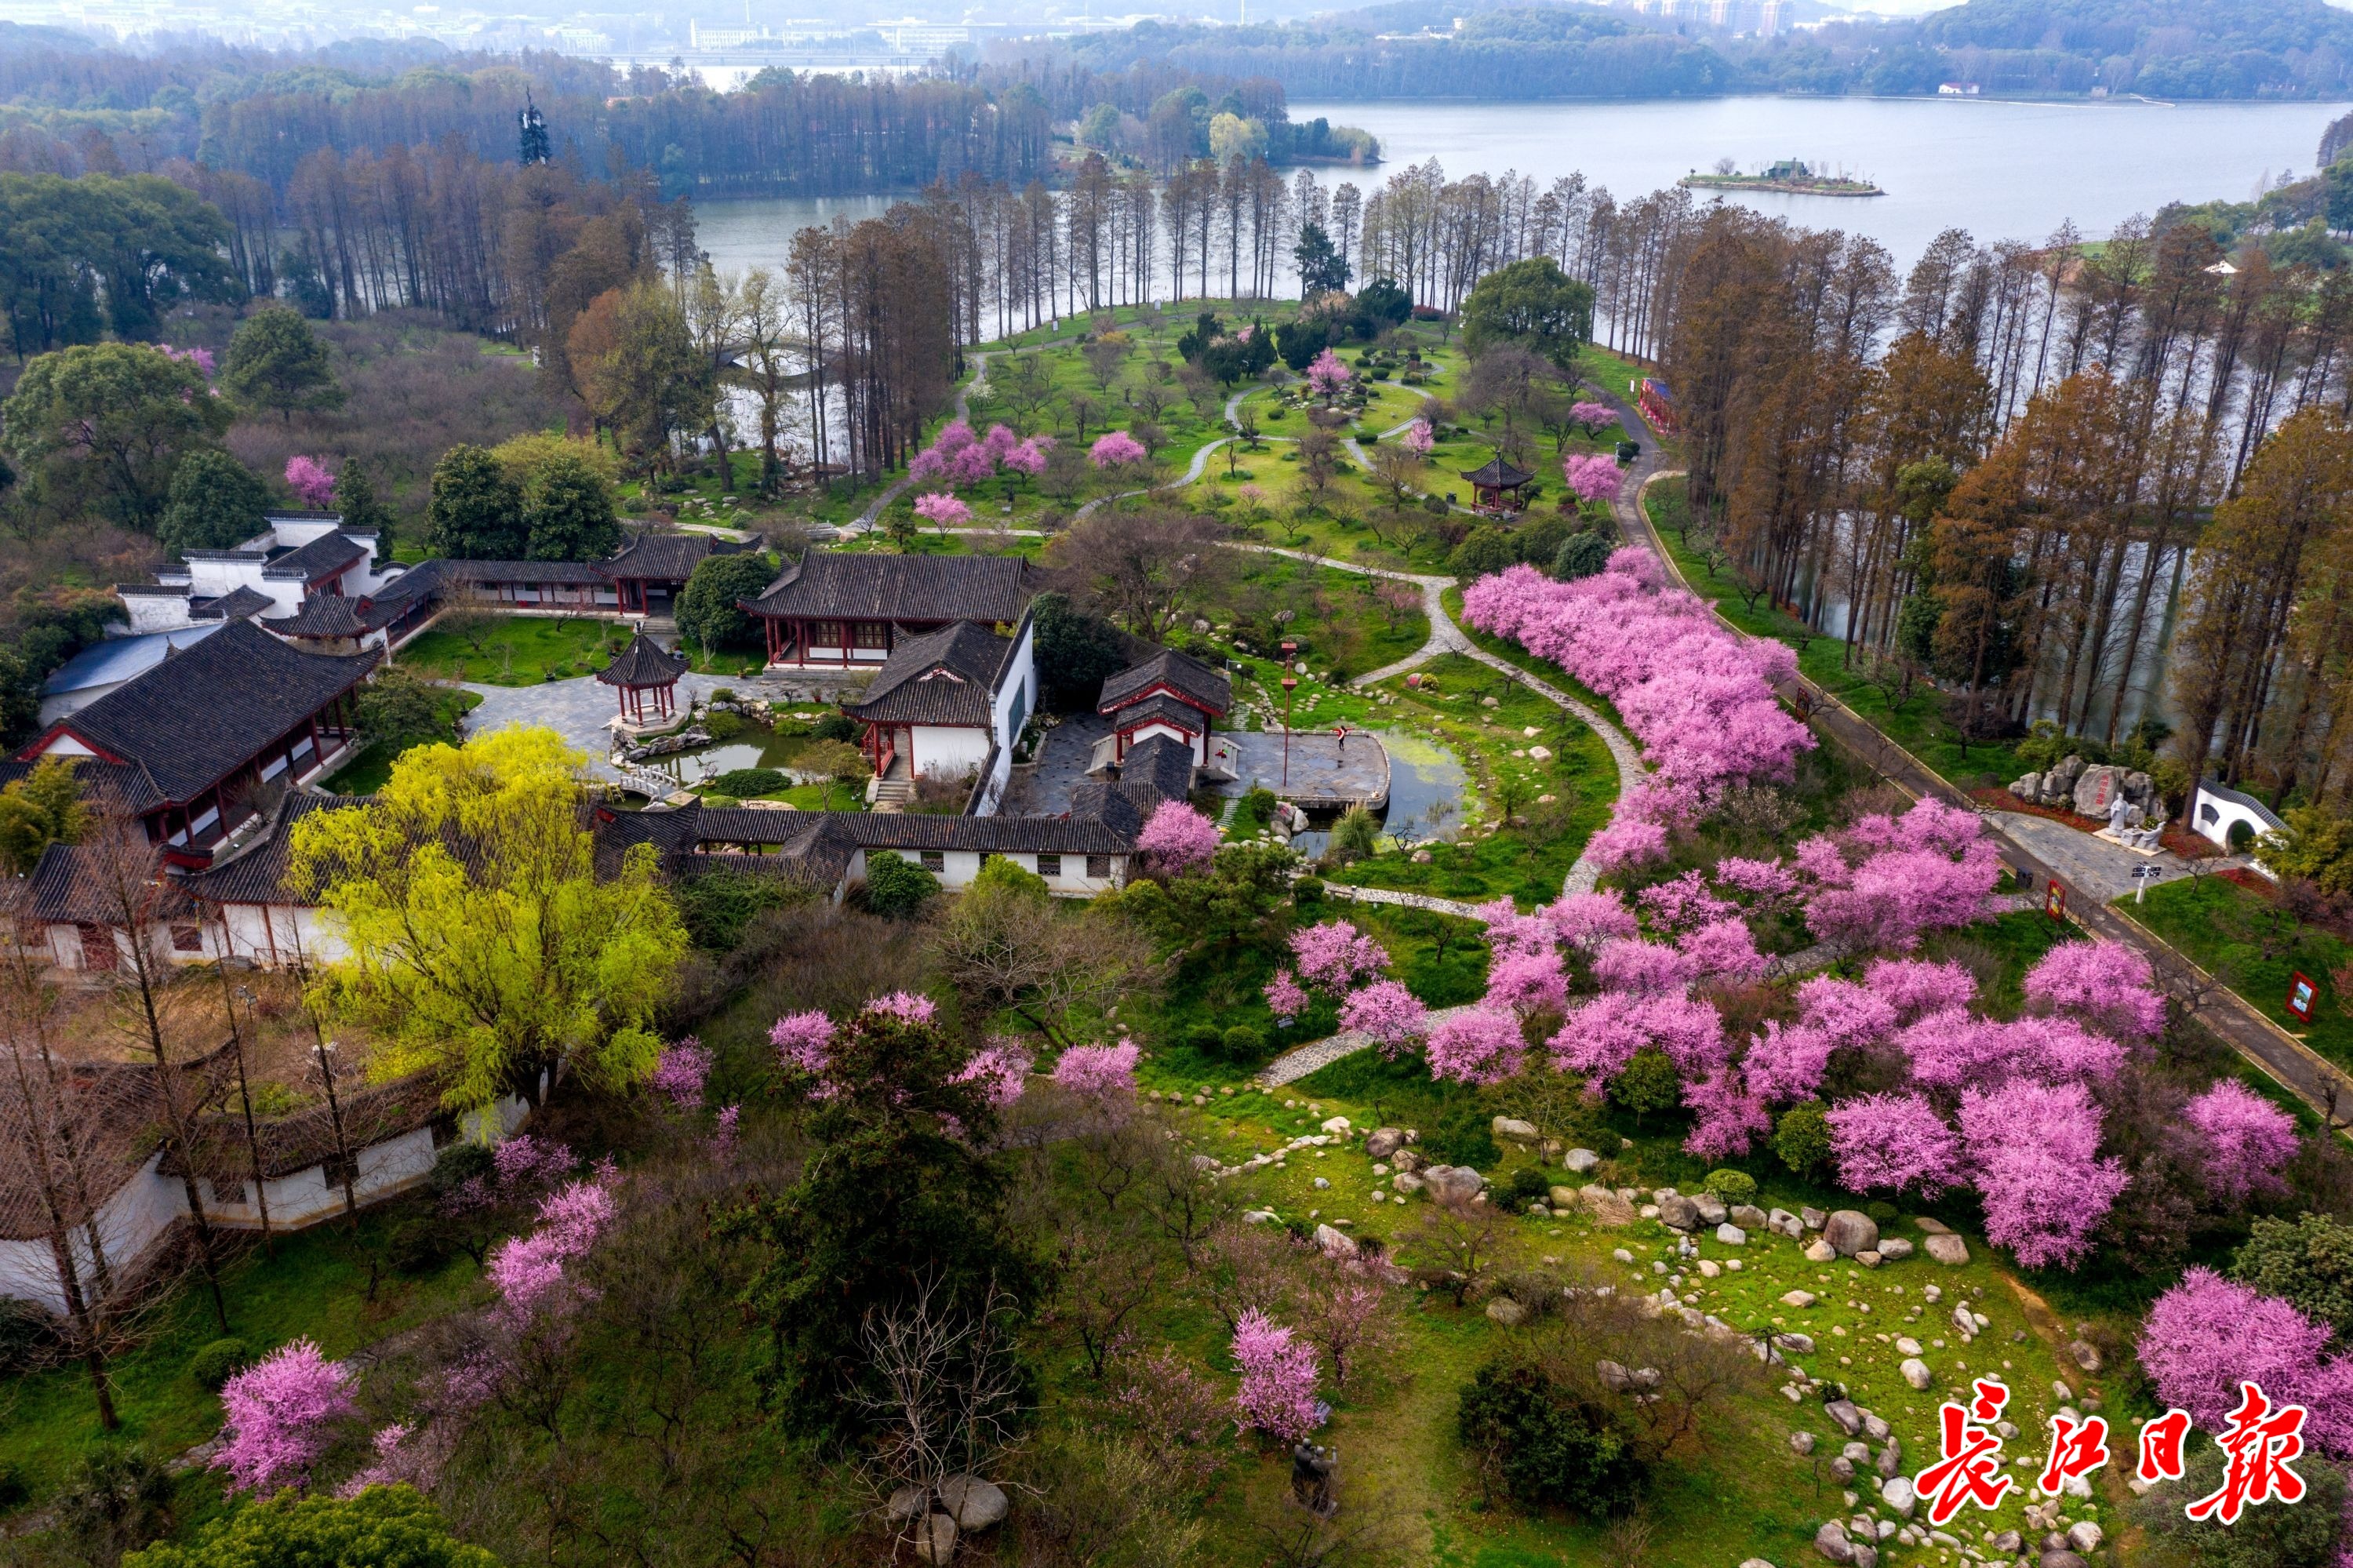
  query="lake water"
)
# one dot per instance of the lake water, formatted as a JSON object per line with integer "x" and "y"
{"x": 2000, "y": 170}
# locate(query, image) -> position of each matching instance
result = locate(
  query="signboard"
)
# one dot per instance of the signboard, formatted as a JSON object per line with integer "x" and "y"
{"x": 2299, "y": 997}
{"x": 2054, "y": 902}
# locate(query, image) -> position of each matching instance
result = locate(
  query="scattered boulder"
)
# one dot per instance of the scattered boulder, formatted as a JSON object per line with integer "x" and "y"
{"x": 1336, "y": 1125}
{"x": 1258, "y": 1216}
{"x": 2084, "y": 1536}
{"x": 1813, "y": 1218}
{"x": 1890, "y": 1459}
{"x": 908, "y": 1503}
{"x": 1502, "y": 1309}
{"x": 1803, "y": 1442}
{"x": 1843, "y": 1412}
{"x": 1562, "y": 1197}
{"x": 1748, "y": 1216}
{"x": 1459, "y": 1183}
{"x": 1712, "y": 1211}
{"x": 1874, "y": 1427}
{"x": 2008, "y": 1541}
{"x": 1948, "y": 1249}
{"x": 1916, "y": 1371}
{"x": 1618, "y": 1380}
{"x": 1832, "y": 1542}
{"x": 1896, "y": 1492}
{"x": 1731, "y": 1234}
{"x": 2062, "y": 1558}
{"x": 1850, "y": 1231}
{"x": 1819, "y": 1250}
{"x": 1580, "y": 1161}
{"x": 1384, "y": 1141}
{"x": 1680, "y": 1212}
{"x": 2087, "y": 1356}
{"x": 1407, "y": 1160}
{"x": 1797, "y": 1298}
{"x": 1515, "y": 1131}
{"x": 973, "y": 1503}
{"x": 1782, "y": 1222}
{"x": 1894, "y": 1249}
{"x": 1842, "y": 1469}
{"x": 1868, "y": 1257}
{"x": 935, "y": 1538}
{"x": 1334, "y": 1244}
{"x": 1407, "y": 1181}
{"x": 1803, "y": 1344}
{"x": 1609, "y": 1208}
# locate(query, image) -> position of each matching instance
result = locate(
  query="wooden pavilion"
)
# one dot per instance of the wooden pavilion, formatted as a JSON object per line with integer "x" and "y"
{"x": 1498, "y": 485}
{"x": 643, "y": 670}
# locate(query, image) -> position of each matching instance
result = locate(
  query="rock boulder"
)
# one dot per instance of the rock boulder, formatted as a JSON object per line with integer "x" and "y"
{"x": 1850, "y": 1231}
{"x": 1949, "y": 1250}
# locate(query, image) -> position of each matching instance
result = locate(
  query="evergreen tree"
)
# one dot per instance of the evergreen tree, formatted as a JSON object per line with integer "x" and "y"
{"x": 1321, "y": 268}
{"x": 362, "y": 513}
{"x": 707, "y": 610}
{"x": 477, "y": 513}
{"x": 569, "y": 508}
{"x": 100, "y": 427}
{"x": 217, "y": 504}
{"x": 276, "y": 361}
{"x": 532, "y": 144}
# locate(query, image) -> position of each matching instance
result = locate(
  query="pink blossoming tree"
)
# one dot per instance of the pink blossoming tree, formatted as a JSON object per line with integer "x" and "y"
{"x": 1594, "y": 478}
{"x": 1418, "y": 438}
{"x": 679, "y": 1074}
{"x": 1332, "y": 957}
{"x": 2204, "y": 1337}
{"x": 1097, "y": 1071}
{"x": 1481, "y": 1047}
{"x": 279, "y": 1414}
{"x": 1284, "y": 996}
{"x": 1177, "y": 839}
{"x": 942, "y": 509}
{"x": 1391, "y": 1015}
{"x": 1277, "y": 1395}
{"x": 2033, "y": 1154}
{"x": 2106, "y": 984}
{"x": 1117, "y": 449}
{"x": 1326, "y": 374}
{"x": 1590, "y": 418}
{"x": 312, "y": 485}
{"x": 2246, "y": 1140}
{"x": 1896, "y": 1142}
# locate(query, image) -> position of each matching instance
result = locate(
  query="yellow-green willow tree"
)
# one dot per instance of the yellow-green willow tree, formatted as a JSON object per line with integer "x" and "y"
{"x": 482, "y": 946}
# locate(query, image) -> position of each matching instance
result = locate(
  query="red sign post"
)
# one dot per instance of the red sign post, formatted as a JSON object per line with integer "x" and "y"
{"x": 2054, "y": 900}
{"x": 2300, "y": 993}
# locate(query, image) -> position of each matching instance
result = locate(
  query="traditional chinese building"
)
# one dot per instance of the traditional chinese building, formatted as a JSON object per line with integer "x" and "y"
{"x": 1657, "y": 402}
{"x": 949, "y": 702}
{"x": 645, "y": 673}
{"x": 1498, "y": 485}
{"x": 1170, "y": 693}
{"x": 829, "y": 612}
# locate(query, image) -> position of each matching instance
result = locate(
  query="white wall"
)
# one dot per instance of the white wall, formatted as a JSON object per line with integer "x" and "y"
{"x": 1197, "y": 743}
{"x": 949, "y": 749}
{"x": 129, "y": 1223}
{"x": 270, "y": 934}
{"x": 958, "y": 867}
{"x": 155, "y": 612}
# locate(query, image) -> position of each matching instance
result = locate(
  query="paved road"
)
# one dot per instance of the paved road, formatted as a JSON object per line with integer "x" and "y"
{"x": 578, "y": 710}
{"x": 2288, "y": 1060}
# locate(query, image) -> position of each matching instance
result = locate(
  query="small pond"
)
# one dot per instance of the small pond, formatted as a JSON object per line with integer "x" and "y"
{"x": 1426, "y": 789}
{"x": 753, "y": 750}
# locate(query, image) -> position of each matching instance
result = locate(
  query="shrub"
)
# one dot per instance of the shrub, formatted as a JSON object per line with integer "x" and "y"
{"x": 897, "y": 887}
{"x": 1464, "y": 1136}
{"x": 1529, "y": 1185}
{"x": 836, "y": 727}
{"x": 1206, "y": 1039}
{"x": 2303, "y": 1536}
{"x": 1732, "y": 1184}
{"x": 724, "y": 725}
{"x": 1486, "y": 550}
{"x": 115, "y": 1500}
{"x": 2307, "y": 1262}
{"x": 14, "y": 1493}
{"x": 1307, "y": 892}
{"x": 1881, "y": 1210}
{"x": 216, "y": 1362}
{"x": 459, "y": 1163}
{"x": 1582, "y": 556}
{"x": 1802, "y": 1137}
{"x": 1546, "y": 1447}
{"x": 418, "y": 1246}
{"x": 1648, "y": 1082}
{"x": 719, "y": 906}
{"x": 1245, "y": 1043}
{"x": 1539, "y": 539}
{"x": 743, "y": 782}
{"x": 383, "y": 1524}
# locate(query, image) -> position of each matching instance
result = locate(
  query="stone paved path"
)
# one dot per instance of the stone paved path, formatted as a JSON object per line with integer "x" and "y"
{"x": 576, "y": 709}
{"x": 1298, "y": 1063}
{"x": 2090, "y": 864}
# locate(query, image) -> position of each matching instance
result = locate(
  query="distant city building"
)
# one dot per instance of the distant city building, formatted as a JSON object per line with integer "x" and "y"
{"x": 911, "y": 36}
{"x": 699, "y": 37}
{"x": 1958, "y": 89}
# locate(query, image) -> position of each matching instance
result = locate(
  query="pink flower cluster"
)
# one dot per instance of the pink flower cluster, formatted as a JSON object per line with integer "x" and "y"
{"x": 1177, "y": 839}
{"x": 1097, "y": 1071}
{"x": 529, "y": 1271}
{"x": 680, "y": 1073}
{"x": 1700, "y": 700}
{"x": 2246, "y": 1140}
{"x": 202, "y": 358}
{"x": 311, "y": 481}
{"x": 1889, "y": 879}
{"x": 2204, "y": 1337}
{"x": 1591, "y": 417}
{"x": 1593, "y": 477}
{"x": 1345, "y": 964}
{"x": 280, "y": 1415}
{"x": 1418, "y": 438}
{"x": 1117, "y": 449}
{"x": 961, "y": 458}
{"x": 1001, "y": 1068}
{"x": 1327, "y": 374}
{"x": 942, "y": 509}
{"x": 1277, "y": 1384}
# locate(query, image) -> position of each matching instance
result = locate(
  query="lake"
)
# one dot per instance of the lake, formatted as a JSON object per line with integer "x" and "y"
{"x": 2000, "y": 170}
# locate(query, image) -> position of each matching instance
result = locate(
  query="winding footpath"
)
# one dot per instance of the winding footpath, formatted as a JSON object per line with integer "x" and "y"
{"x": 2296, "y": 1065}
{"x": 864, "y": 522}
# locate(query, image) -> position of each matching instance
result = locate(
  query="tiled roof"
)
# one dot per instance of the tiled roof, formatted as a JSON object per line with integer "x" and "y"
{"x": 198, "y": 716}
{"x": 944, "y": 677}
{"x": 666, "y": 557}
{"x": 643, "y": 662}
{"x": 888, "y": 830}
{"x": 338, "y": 615}
{"x": 459, "y": 571}
{"x": 296, "y": 1142}
{"x": 240, "y": 603}
{"x": 826, "y": 586}
{"x": 72, "y": 885}
{"x": 1161, "y": 764}
{"x": 308, "y": 563}
{"x": 114, "y": 1107}
{"x": 1162, "y": 707}
{"x": 1496, "y": 474}
{"x": 106, "y": 787}
{"x": 257, "y": 874}
{"x": 1179, "y": 672}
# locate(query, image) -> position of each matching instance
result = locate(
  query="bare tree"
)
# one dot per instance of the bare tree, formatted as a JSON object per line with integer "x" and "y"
{"x": 1144, "y": 569}
{"x": 1101, "y": 1281}
{"x": 945, "y": 1397}
{"x": 1461, "y": 1234}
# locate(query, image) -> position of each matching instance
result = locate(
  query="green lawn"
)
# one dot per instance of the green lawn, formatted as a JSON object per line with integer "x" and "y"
{"x": 518, "y": 650}
{"x": 2256, "y": 948}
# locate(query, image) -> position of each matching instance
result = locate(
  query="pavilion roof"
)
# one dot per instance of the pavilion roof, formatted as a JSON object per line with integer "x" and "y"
{"x": 1497, "y": 474}
{"x": 643, "y": 664}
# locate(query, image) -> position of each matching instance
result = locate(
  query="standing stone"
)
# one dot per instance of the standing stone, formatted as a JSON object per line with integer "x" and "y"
{"x": 1850, "y": 1231}
{"x": 2095, "y": 789}
{"x": 2028, "y": 789}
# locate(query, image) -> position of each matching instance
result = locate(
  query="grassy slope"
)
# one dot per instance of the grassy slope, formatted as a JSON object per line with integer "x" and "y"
{"x": 2256, "y": 950}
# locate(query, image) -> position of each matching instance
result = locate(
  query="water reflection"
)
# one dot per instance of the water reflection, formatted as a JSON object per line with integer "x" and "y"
{"x": 1426, "y": 786}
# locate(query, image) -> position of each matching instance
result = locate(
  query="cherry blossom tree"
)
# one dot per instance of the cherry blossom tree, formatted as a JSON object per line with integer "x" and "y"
{"x": 1590, "y": 418}
{"x": 1586, "y": 920}
{"x": 1000, "y": 1068}
{"x": 2033, "y": 1154}
{"x": 1526, "y": 983}
{"x": 1335, "y": 956}
{"x": 2207, "y": 1335}
{"x": 1278, "y": 1383}
{"x": 2247, "y": 1138}
{"x": 1177, "y": 839}
{"x": 1481, "y": 1047}
{"x": 678, "y": 1074}
{"x": 1117, "y": 449}
{"x": 1029, "y": 457}
{"x": 279, "y": 1416}
{"x": 311, "y": 483}
{"x": 942, "y": 509}
{"x": 1284, "y": 996}
{"x": 1418, "y": 439}
{"x": 1896, "y": 1142}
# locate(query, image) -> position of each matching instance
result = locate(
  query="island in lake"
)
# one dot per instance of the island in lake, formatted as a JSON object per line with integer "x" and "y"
{"x": 1790, "y": 175}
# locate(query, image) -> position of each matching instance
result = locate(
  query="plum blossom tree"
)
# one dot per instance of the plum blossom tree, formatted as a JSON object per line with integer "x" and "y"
{"x": 1586, "y": 920}
{"x": 1894, "y": 878}
{"x": 1481, "y": 1047}
{"x": 1326, "y": 374}
{"x": 2208, "y": 1334}
{"x": 1177, "y": 839}
{"x": 1332, "y": 957}
{"x": 279, "y": 1414}
{"x": 1590, "y": 418}
{"x": 1029, "y": 457}
{"x": 311, "y": 483}
{"x": 1097, "y": 1071}
{"x": 1277, "y": 1395}
{"x": 1418, "y": 438}
{"x": 2106, "y": 984}
{"x": 1594, "y": 478}
{"x": 2033, "y": 1151}
{"x": 942, "y": 509}
{"x": 678, "y": 1074}
{"x": 1893, "y": 1141}
{"x": 1117, "y": 449}
{"x": 1001, "y": 1068}
{"x": 1392, "y": 1016}
{"x": 2247, "y": 1138}
{"x": 1284, "y": 997}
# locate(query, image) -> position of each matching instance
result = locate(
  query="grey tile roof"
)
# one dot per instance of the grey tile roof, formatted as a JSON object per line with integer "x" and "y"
{"x": 239, "y": 603}
{"x": 199, "y": 715}
{"x": 257, "y": 873}
{"x": 339, "y": 615}
{"x": 1162, "y": 707}
{"x": 296, "y": 1142}
{"x": 71, "y": 884}
{"x": 307, "y": 562}
{"x": 944, "y": 677}
{"x": 644, "y": 662}
{"x": 823, "y": 585}
{"x": 1161, "y": 764}
{"x": 666, "y": 557}
{"x": 457, "y": 571}
{"x": 1071, "y": 834}
{"x": 1180, "y": 672}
